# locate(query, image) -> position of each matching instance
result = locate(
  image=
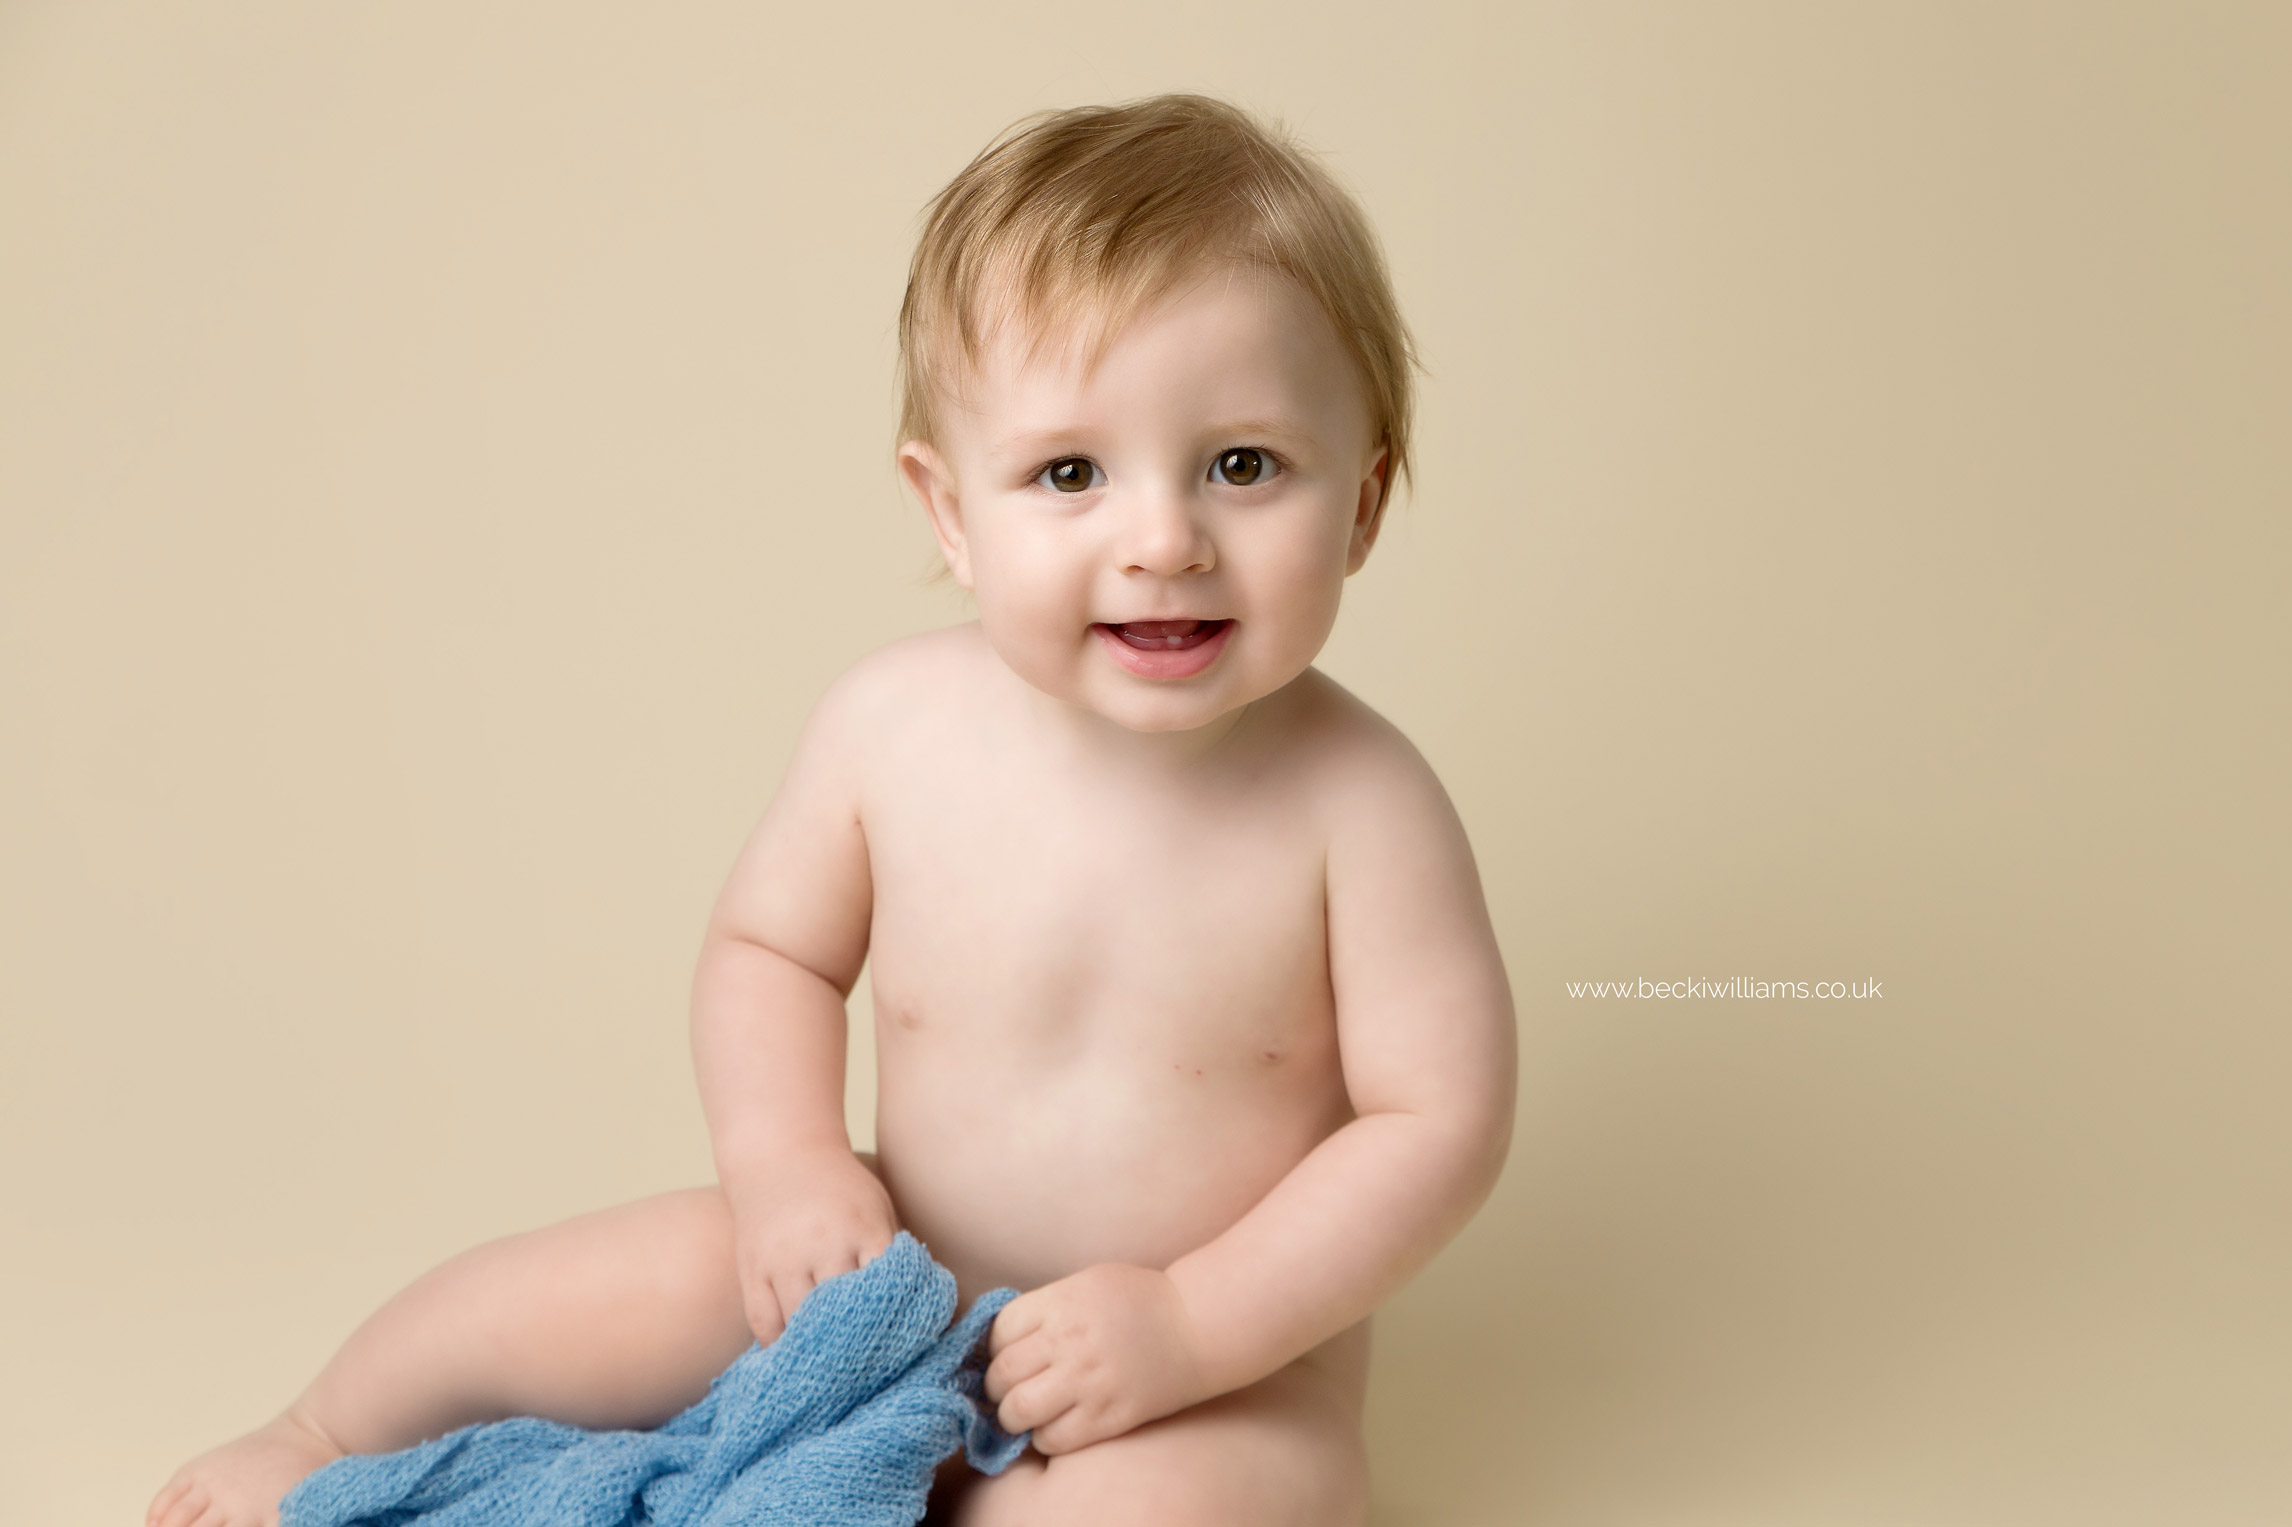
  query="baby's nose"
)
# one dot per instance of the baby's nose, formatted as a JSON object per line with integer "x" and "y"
{"x": 1161, "y": 535}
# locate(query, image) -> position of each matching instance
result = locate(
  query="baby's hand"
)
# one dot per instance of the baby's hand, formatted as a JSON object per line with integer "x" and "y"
{"x": 802, "y": 1227}
{"x": 1093, "y": 1355}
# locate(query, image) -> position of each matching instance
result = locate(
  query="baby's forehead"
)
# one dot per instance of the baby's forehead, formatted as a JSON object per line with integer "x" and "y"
{"x": 1211, "y": 326}
{"x": 1072, "y": 323}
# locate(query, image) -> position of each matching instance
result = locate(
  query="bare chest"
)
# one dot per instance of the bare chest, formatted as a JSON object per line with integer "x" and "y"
{"x": 1099, "y": 923}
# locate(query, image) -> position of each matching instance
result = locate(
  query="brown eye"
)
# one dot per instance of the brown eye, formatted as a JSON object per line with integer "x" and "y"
{"x": 1242, "y": 466}
{"x": 1070, "y": 474}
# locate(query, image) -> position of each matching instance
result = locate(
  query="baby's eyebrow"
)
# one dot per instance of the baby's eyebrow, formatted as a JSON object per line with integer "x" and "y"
{"x": 1040, "y": 442}
{"x": 1242, "y": 431}
{"x": 1032, "y": 444}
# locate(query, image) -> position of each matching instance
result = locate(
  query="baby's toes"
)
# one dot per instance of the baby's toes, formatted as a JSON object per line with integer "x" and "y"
{"x": 181, "y": 1504}
{"x": 240, "y": 1483}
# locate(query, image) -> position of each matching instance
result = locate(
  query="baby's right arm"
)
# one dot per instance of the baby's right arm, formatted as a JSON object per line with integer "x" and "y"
{"x": 783, "y": 948}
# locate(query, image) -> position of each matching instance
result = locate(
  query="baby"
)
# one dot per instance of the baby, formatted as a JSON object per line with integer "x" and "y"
{"x": 1190, "y": 1021}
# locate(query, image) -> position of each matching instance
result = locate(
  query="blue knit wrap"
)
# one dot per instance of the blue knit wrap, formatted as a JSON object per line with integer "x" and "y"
{"x": 839, "y": 1423}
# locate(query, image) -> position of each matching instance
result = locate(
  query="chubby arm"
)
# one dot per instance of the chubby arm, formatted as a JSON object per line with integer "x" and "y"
{"x": 1425, "y": 1035}
{"x": 784, "y": 946}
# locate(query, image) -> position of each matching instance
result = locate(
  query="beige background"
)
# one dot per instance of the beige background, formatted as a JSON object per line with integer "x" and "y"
{"x": 444, "y": 450}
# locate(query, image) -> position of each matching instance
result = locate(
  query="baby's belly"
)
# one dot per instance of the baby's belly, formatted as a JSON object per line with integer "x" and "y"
{"x": 1020, "y": 1163}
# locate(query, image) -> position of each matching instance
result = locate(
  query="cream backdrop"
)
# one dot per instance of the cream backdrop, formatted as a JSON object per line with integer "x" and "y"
{"x": 444, "y": 450}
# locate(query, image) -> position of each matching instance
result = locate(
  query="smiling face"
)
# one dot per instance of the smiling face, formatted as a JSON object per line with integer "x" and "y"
{"x": 1161, "y": 537}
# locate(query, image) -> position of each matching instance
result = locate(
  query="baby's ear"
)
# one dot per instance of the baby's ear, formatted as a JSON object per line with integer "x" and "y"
{"x": 1369, "y": 511}
{"x": 933, "y": 485}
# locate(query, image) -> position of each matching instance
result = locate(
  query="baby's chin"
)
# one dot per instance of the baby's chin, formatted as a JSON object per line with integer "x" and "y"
{"x": 1207, "y": 703}
{"x": 1087, "y": 681}
{"x": 1082, "y": 675}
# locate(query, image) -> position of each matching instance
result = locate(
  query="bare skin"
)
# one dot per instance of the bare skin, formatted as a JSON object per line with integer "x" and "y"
{"x": 1189, "y": 1018}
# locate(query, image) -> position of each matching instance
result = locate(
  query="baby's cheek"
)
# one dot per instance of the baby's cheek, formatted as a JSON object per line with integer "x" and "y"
{"x": 1037, "y": 639}
{"x": 1308, "y": 605}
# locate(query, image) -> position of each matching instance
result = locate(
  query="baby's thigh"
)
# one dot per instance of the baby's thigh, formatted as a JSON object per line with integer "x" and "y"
{"x": 1285, "y": 1450}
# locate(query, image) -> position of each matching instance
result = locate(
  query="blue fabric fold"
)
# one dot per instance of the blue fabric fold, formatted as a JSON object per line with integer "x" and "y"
{"x": 839, "y": 1423}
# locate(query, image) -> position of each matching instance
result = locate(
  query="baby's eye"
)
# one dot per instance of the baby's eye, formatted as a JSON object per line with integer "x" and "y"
{"x": 1071, "y": 474}
{"x": 1242, "y": 466}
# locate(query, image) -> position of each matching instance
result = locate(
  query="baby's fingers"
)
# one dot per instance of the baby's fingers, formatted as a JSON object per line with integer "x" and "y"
{"x": 1070, "y": 1431}
{"x": 1014, "y": 1365}
{"x": 1019, "y": 1319}
{"x": 832, "y": 1265}
{"x": 1033, "y": 1405}
{"x": 851, "y": 1256}
{"x": 790, "y": 1289}
{"x": 765, "y": 1321}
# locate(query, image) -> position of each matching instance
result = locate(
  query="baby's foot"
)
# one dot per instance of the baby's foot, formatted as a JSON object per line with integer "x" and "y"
{"x": 241, "y": 1483}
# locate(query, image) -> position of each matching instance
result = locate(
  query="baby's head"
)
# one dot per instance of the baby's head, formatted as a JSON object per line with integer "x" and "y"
{"x": 1155, "y": 395}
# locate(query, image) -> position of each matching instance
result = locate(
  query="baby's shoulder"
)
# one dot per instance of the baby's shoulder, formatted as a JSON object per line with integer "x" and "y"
{"x": 1387, "y": 826}
{"x": 913, "y": 684}
{"x": 1353, "y": 763}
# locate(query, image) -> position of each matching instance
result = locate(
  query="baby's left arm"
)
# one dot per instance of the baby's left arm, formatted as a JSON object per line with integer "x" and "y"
{"x": 1425, "y": 1036}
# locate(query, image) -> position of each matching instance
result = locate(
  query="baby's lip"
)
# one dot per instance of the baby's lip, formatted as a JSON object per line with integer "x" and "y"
{"x": 1165, "y": 649}
{"x": 1166, "y": 635}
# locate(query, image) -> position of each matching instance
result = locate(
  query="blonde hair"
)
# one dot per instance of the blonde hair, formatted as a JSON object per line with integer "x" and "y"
{"x": 1090, "y": 215}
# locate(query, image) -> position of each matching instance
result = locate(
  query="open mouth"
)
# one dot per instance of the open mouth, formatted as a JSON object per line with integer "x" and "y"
{"x": 1165, "y": 649}
{"x": 1166, "y": 635}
